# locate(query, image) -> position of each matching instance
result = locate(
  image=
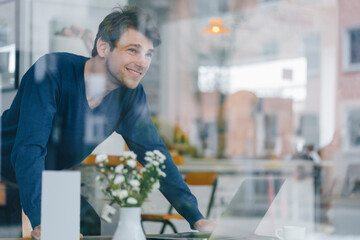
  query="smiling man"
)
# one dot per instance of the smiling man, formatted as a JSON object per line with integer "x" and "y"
{"x": 67, "y": 104}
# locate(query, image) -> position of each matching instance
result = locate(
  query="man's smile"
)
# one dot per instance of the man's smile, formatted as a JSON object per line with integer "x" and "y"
{"x": 134, "y": 71}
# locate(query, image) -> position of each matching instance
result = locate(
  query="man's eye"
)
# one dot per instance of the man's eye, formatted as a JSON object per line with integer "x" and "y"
{"x": 132, "y": 50}
{"x": 149, "y": 55}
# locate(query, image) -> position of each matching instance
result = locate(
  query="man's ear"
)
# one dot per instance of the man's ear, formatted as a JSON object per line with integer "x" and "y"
{"x": 103, "y": 48}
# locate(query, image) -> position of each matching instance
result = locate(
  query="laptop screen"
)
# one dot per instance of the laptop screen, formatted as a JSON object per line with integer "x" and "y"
{"x": 247, "y": 207}
{"x": 245, "y": 211}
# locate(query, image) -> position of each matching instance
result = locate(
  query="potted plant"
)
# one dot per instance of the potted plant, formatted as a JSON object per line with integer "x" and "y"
{"x": 128, "y": 186}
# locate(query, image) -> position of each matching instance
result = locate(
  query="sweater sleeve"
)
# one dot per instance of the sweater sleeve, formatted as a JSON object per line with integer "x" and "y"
{"x": 141, "y": 135}
{"x": 37, "y": 96}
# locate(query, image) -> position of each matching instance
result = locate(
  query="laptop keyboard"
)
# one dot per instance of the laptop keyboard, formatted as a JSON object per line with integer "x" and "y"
{"x": 202, "y": 236}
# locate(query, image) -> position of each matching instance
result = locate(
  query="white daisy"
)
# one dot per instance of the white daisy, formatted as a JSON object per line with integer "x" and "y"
{"x": 134, "y": 183}
{"x": 118, "y": 168}
{"x": 119, "y": 179}
{"x": 131, "y": 200}
{"x": 100, "y": 158}
{"x": 131, "y": 163}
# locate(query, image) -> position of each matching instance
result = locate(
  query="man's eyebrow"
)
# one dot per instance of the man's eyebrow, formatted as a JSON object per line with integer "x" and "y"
{"x": 134, "y": 45}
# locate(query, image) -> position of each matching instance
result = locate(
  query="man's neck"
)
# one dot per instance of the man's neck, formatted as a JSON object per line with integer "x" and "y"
{"x": 97, "y": 84}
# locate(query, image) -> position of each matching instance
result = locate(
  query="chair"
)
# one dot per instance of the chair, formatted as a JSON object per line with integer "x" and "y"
{"x": 26, "y": 225}
{"x": 115, "y": 160}
{"x": 90, "y": 160}
{"x": 2, "y": 194}
{"x": 192, "y": 179}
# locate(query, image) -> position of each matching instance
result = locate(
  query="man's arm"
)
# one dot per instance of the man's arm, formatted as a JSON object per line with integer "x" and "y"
{"x": 141, "y": 135}
{"x": 37, "y": 96}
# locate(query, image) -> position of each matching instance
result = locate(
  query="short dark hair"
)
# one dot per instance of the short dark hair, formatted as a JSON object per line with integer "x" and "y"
{"x": 117, "y": 22}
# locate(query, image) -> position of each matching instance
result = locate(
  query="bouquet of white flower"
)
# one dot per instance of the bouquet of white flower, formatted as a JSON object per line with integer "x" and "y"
{"x": 125, "y": 184}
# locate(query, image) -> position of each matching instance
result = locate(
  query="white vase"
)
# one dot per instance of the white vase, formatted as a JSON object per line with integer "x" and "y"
{"x": 129, "y": 227}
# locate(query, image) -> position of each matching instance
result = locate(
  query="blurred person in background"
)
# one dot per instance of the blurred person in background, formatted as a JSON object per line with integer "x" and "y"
{"x": 310, "y": 154}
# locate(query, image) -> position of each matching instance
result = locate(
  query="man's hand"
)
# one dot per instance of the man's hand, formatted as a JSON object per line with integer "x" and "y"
{"x": 36, "y": 233}
{"x": 204, "y": 225}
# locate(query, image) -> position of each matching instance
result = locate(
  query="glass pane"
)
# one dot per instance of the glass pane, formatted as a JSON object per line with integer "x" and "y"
{"x": 249, "y": 89}
{"x": 7, "y": 44}
{"x": 355, "y": 46}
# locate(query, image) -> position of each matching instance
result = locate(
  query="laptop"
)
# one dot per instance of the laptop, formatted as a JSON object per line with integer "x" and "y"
{"x": 244, "y": 213}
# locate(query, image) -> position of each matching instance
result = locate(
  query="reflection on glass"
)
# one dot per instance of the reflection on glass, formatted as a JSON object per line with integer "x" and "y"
{"x": 7, "y": 44}
{"x": 247, "y": 102}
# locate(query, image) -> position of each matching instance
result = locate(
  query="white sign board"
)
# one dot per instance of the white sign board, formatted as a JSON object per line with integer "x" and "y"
{"x": 60, "y": 205}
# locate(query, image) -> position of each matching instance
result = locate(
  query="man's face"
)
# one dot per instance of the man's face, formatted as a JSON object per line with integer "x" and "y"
{"x": 130, "y": 59}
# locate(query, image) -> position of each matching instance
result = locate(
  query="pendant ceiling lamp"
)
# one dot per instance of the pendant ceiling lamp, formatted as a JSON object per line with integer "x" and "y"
{"x": 216, "y": 26}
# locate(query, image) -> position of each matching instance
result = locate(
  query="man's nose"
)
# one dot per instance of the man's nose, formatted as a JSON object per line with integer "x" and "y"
{"x": 142, "y": 61}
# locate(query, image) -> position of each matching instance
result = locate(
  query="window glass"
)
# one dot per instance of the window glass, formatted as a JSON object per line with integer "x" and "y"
{"x": 266, "y": 88}
{"x": 7, "y": 45}
{"x": 355, "y": 46}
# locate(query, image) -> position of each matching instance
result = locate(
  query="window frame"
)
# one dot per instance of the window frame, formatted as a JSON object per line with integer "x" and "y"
{"x": 348, "y": 109}
{"x": 12, "y": 48}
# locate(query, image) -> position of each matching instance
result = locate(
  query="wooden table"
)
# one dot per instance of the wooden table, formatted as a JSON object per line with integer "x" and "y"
{"x": 85, "y": 238}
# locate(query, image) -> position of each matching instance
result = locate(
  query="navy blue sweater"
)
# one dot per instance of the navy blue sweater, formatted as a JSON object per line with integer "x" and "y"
{"x": 51, "y": 126}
